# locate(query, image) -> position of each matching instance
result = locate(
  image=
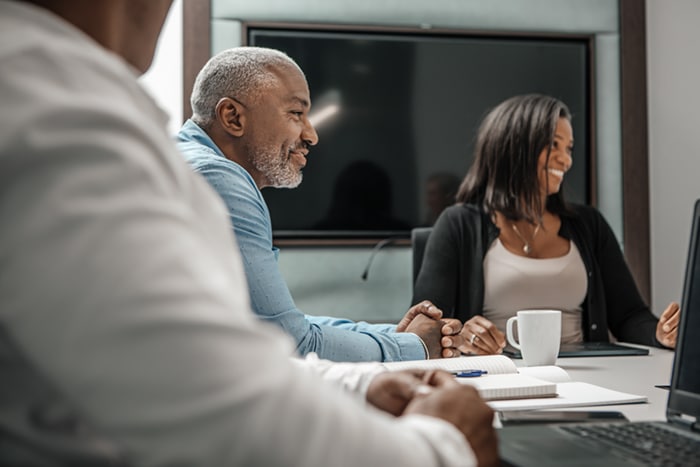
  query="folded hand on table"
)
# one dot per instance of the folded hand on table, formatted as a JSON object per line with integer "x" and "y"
{"x": 441, "y": 336}
{"x": 481, "y": 337}
{"x": 460, "y": 405}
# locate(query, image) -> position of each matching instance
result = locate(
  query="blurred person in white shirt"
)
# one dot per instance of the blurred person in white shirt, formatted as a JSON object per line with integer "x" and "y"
{"x": 122, "y": 295}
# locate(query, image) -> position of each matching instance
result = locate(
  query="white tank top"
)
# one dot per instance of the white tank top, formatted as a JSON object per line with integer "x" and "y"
{"x": 513, "y": 283}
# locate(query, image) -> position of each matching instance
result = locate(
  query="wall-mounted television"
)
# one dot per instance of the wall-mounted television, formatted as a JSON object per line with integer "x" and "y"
{"x": 397, "y": 110}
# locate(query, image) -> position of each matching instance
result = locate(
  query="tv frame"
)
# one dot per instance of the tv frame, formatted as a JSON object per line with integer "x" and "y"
{"x": 351, "y": 238}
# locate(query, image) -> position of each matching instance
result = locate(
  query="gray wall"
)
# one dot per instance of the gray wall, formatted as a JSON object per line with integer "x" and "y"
{"x": 674, "y": 154}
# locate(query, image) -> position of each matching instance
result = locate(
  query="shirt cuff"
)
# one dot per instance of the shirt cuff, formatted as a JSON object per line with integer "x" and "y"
{"x": 425, "y": 347}
{"x": 353, "y": 378}
{"x": 411, "y": 347}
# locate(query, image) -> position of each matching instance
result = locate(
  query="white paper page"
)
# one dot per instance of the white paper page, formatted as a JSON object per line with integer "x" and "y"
{"x": 510, "y": 386}
{"x": 551, "y": 373}
{"x": 571, "y": 394}
{"x": 494, "y": 364}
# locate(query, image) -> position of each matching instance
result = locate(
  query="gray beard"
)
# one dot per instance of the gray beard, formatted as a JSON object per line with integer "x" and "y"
{"x": 277, "y": 168}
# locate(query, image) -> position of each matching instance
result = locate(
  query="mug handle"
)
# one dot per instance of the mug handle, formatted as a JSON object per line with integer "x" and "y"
{"x": 509, "y": 332}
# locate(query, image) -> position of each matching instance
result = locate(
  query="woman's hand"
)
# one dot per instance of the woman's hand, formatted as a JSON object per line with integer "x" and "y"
{"x": 667, "y": 328}
{"x": 481, "y": 337}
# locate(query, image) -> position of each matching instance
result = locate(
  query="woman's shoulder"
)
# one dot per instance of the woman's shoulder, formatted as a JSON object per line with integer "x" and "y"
{"x": 464, "y": 211}
{"x": 461, "y": 215}
{"x": 460, "y": 219}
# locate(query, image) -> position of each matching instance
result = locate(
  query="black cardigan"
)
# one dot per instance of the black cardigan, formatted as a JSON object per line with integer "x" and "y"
{"x": 452, "y": 275}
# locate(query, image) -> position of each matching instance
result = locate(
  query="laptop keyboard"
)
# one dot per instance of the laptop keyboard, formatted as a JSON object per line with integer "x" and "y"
{"x": 646, "y": 442}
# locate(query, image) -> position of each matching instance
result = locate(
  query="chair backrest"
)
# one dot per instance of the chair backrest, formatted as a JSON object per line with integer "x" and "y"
{"x": 419, "y": 238}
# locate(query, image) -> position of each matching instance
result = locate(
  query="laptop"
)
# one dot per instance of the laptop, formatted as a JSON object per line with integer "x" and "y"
{"x": 588, "y": 444}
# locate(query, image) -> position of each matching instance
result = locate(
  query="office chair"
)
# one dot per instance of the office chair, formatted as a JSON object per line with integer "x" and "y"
{"x": 419, "y": 238}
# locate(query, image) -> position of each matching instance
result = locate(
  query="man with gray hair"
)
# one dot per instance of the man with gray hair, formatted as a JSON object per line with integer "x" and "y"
{"x": 250, "y": 130}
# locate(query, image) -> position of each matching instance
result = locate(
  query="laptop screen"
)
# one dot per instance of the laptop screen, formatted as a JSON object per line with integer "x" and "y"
{"x": 685, "y": 393}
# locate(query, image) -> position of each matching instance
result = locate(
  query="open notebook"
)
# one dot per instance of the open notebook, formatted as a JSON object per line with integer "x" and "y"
{"x": 508, "y": 387}
{"x": 503, "y": 380}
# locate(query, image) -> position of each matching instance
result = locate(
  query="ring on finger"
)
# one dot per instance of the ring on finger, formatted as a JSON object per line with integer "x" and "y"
{"x": 473, "y": 338}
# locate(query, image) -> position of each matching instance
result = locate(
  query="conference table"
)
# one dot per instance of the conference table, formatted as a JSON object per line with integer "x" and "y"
{"x": 637, "y": 374}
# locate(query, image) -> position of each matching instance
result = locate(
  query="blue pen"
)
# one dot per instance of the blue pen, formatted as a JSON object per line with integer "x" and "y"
{"x": 469, "y": 373}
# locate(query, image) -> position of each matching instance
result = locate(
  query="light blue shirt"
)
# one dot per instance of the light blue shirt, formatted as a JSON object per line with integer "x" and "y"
{"x": 331, "y": 338}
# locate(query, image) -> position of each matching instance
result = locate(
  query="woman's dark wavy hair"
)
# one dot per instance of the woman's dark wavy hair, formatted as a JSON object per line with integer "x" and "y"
{"x": 503, "y": 176}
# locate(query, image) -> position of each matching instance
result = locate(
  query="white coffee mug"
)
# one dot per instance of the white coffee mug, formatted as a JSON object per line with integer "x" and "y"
{"x": 539, "y": 333}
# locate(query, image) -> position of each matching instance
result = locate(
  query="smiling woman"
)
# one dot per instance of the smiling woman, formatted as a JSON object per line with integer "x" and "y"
{"x": 513, "y": 242}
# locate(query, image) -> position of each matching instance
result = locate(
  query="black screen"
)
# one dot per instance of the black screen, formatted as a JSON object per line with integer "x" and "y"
{"x": 688, "y": 345}
{"x": 408, "y": 106}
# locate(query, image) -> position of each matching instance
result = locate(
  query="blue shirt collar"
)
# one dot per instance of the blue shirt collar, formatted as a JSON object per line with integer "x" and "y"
{"x": 192, "y": 133}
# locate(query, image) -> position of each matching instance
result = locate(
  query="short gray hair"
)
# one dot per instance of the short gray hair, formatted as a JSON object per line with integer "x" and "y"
{"x": 241, "y": 72}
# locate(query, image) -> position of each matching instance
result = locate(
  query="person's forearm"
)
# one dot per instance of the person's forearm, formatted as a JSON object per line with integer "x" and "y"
{"x": 344, "y": 323}
{"x": 273, "y": 303}
{"x": 353, "y": 378}
{"x": 349, "y": 346}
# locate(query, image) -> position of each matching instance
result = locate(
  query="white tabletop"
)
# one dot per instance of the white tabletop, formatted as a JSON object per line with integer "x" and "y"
{"x": 632, "y": 374}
